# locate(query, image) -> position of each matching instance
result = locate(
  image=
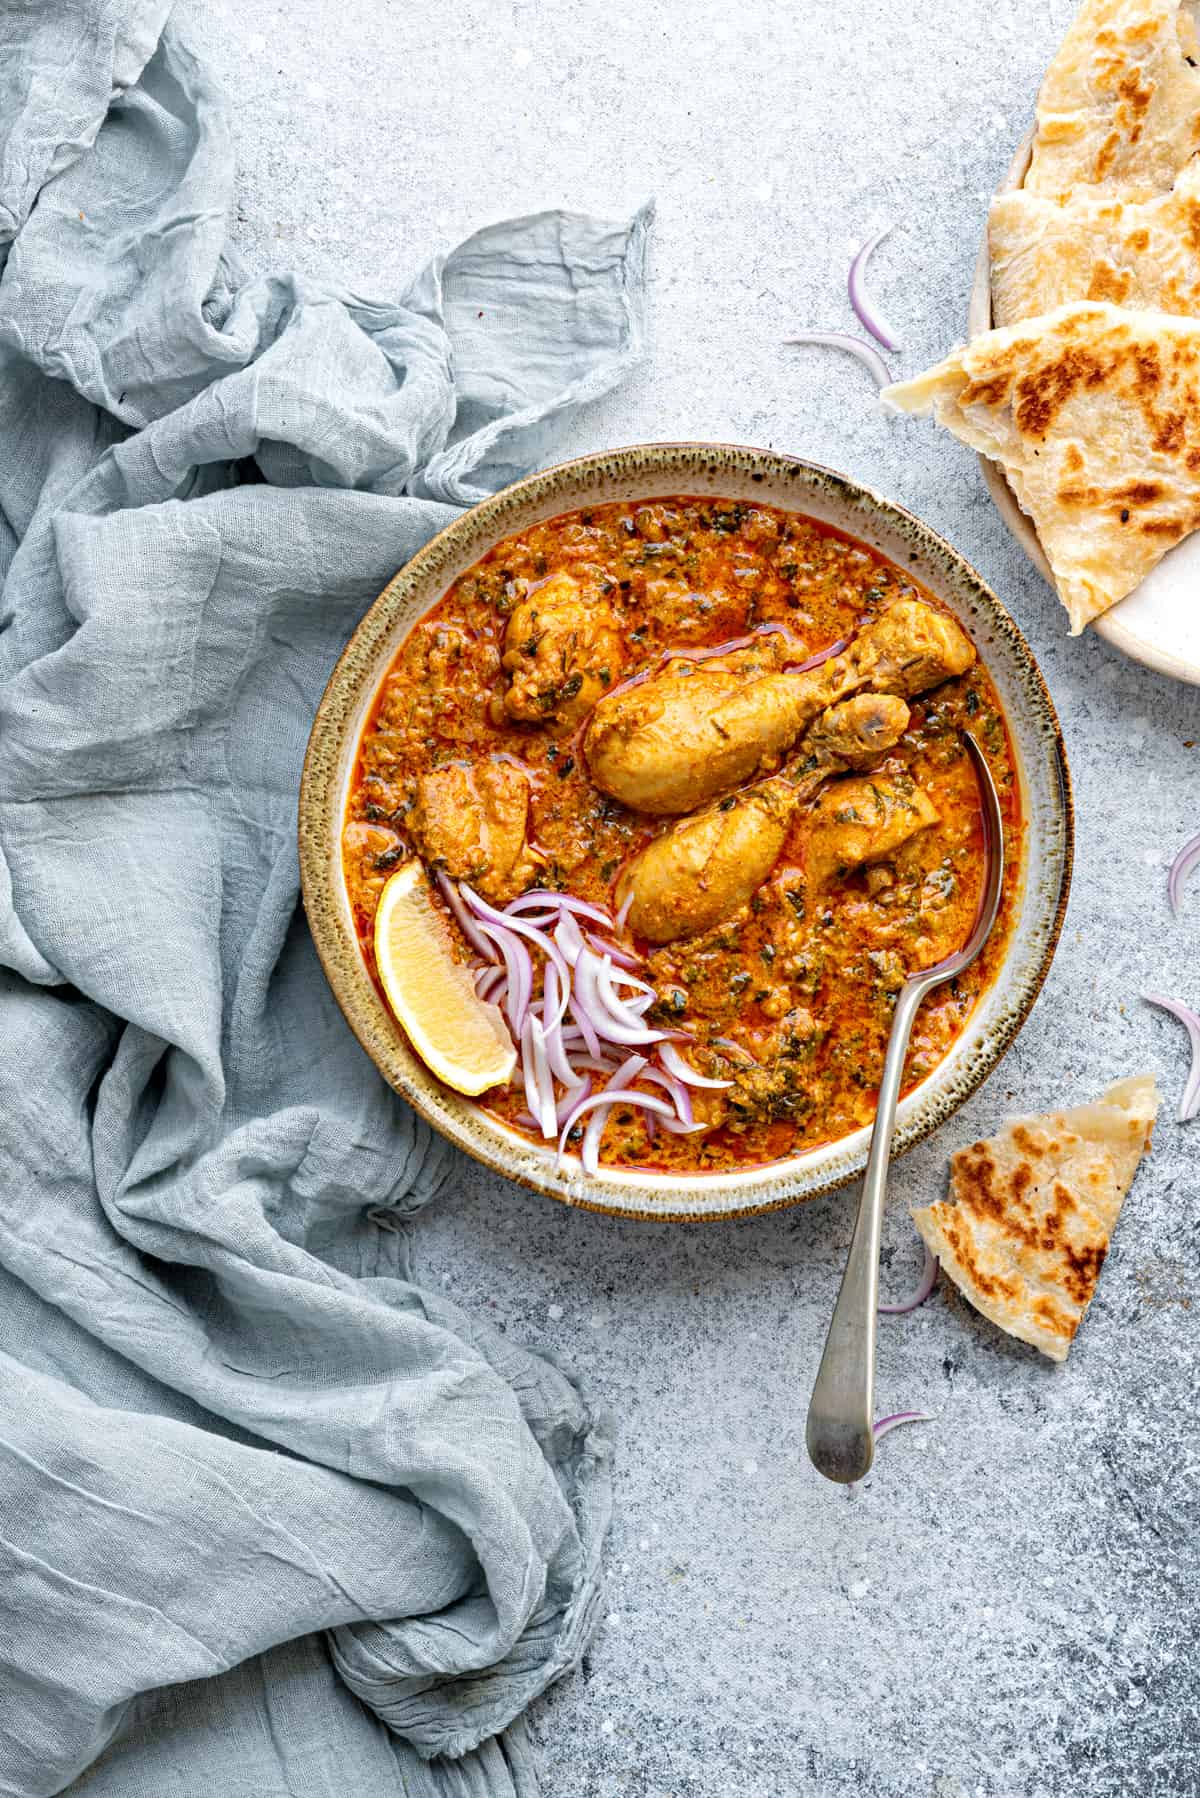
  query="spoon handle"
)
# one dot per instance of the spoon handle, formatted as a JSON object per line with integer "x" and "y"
{"x": 841, "y": 1441}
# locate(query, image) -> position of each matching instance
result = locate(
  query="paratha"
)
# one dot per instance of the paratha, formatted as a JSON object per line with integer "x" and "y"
{"x": 1119, "y": 108}
{"x": 1026, "y": 1231}
{"x": 1136, "y": 254}
{"x": 1094, "y": 414}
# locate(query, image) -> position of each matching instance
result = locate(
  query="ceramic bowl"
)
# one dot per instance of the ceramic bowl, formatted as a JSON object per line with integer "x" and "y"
{"x": 1157, "y": 624}
{"x": 645, "y": 472}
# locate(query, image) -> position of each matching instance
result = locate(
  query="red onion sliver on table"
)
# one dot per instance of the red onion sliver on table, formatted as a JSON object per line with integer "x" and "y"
{"x": 866, "y": 352}
{"x": 859, "y": 298}
{"x": 1189, "y": 1104}
{"x": 1181, "y": 867}
{"x": 886, "y": 1424}
{"x": 925, "y": 1285}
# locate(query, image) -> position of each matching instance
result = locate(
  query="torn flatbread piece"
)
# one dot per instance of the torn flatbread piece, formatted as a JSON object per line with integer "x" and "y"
{"x": 1027, "y": 1227}
{"x": 1093, "y": 412}
{"x": 1096, "y": 247}
{"x": 1119, "y": 108}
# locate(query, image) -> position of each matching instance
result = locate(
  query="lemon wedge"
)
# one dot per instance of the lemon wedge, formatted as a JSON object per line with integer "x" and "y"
{"x": 463, "y": 1041}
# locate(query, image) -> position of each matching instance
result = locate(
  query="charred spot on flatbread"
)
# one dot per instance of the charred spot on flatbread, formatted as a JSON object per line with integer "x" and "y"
{"x": 1119, "y": 107}
{"x": 1093, "y": 412}
{"x": 1141, "y": 254}
{"x": 1026, "y": 1230}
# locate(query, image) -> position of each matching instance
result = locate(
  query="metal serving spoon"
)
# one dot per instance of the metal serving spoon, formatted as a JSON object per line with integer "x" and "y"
{"x": 841, "y": 1440}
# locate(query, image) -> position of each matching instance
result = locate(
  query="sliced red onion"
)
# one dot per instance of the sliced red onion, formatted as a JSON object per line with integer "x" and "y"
{"x": 1190, "y": 1102}
{"x": 867, "y": 313}
{"x": 684, "y": 1071}
{"x": 541, "y": 920}
{"x": 569, "y": 938}
{"x": 554, "y": 1006}
{"x": 866, "y": 352}
{"x": 622, "y": 977}
{"x": 600, "y": 1104}
{"x": 488, "y": 981}
{"x": 556, "y": 1047}
{"x": 606, "y": 987}
{"x": 727, "y": 1043}
{"x": 633, "y": 680}
{"x": 640, "y": 1006}
{"x": 887, "y": 1424}
{"x": 533, "y": 1098}
{"x": 518, "y": 965}
{"x": 680, "y": 1095}
{"x": 463, "y": 918}
{"x": 605, "y": 1001}
{"x": 822, "y": 655}
{"x": 774, "y": 628}
{"x": 925, "y": 1285}
{"x": 1181, "y": 867}
{"x": 621, "y": 957}
{"x": 595, "y": 1008}
{"x": 623, "y": 910}
{"x": 499, "y": 920}
{"x": 629, "y": 1069}
{"x": 708, "y": 651}
{"x": 571, "y": 1098}
{"x": 584, "y": 1024}
{"x": 546, "y": 1109}
{"x": 559, "y": 902}
{"x": 601, "y": 1064}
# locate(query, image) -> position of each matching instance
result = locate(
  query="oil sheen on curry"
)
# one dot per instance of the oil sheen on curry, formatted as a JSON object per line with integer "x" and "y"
{"x": 735, "y": 732}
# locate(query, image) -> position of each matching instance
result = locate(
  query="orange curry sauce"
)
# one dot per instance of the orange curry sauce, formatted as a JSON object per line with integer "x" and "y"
{"x": 682, "y": 574}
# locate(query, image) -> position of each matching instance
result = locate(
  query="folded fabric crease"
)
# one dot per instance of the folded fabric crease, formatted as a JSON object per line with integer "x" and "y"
{"x": 272, "y": 1517}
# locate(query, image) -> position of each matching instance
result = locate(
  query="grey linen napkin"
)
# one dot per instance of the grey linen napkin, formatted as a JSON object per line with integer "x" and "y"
{"x": 272, "y": 1519}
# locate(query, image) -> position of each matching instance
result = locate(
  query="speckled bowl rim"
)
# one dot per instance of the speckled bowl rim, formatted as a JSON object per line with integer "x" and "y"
{"x": 348, "y": 696}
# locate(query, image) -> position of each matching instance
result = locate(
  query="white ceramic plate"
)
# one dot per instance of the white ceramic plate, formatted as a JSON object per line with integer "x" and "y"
{"x": 1159, "y": 623}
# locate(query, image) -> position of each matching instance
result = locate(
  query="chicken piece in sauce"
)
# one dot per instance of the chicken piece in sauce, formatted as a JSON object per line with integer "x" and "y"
{"x": 859, "y": 821}
{"x": 471, "y": 821}
{"x": 706, "y": 866}
{"x": 684, "y": 738}
{"x": 561, "y": 652}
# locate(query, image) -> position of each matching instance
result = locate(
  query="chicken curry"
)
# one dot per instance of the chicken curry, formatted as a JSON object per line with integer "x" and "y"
{"x": 706, "y": 758}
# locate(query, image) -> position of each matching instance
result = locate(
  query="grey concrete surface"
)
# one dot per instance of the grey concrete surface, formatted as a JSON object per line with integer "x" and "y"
{"x": 1008, "y": 1604}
